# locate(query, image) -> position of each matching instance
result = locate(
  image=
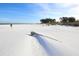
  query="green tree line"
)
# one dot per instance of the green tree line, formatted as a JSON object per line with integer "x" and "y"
{"x": 63, "y": 21}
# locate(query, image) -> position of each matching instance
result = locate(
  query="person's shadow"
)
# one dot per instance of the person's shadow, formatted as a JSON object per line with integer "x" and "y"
{"x": 49, "y": 48}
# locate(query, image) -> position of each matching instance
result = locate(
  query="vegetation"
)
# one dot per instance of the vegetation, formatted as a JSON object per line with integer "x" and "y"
{"x": 69, "y": 21}
{"x": 48, "y": 21}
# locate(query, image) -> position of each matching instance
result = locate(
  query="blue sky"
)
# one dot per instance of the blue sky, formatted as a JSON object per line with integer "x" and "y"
{"x": 33, "y": 12}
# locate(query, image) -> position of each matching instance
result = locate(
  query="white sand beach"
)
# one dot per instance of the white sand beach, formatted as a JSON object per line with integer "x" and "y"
{"x": 15, "y": 41}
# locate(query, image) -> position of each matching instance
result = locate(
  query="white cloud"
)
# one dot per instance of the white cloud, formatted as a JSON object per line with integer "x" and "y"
{"x": 47, "y": 11}
{"x": 60, "y": 10}
{"x": 74, "y": 11}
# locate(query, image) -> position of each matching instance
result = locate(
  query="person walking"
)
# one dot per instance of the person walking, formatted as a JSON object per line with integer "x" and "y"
{"x": 11, "y": 25}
